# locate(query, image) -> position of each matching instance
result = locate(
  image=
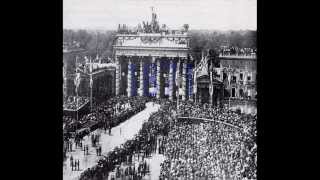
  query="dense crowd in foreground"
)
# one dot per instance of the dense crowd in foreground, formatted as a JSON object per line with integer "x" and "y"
{"x": 144, "y": 144}
{"x": 104, "y": 115}
{"x": 208, "y": 151}
{"x": 211, "y": 149}
{"x": 203, "y": 150}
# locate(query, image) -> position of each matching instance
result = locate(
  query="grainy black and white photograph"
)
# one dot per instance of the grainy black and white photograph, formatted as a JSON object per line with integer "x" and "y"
{"x": 159, "y": 89}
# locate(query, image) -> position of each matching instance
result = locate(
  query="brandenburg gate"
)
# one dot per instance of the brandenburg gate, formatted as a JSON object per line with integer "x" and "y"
{"x": 153, "y": 61}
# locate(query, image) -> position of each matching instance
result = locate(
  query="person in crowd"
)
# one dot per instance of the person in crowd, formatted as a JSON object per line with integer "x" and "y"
{"x": 224, "y": 148}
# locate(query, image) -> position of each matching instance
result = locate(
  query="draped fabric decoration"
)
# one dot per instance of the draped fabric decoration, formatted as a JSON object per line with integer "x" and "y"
{"x": 165, "y": 65}
{"x": 133, "y": 80}
{"x": 202, "y": 67}
{"x": 189, "y": 79}
{"x": 174, "y": 69}
{"x": 148, "y": 39}
{"x": 153, "y": 79}
{"x": 170, "y": 75}
{"x": 178, "y": 79}
{"x": 146, "y": 78}
{"x": 170, "y": 39}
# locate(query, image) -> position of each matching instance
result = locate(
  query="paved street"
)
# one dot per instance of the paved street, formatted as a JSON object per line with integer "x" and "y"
{"x": 128, "y": 129}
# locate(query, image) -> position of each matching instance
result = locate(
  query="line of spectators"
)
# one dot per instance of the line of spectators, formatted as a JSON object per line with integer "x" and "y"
{"x": 245, "y": 121}
{"x": 105, "y": 115}
{"x": 236, "y": 51}
{"x": 74, "y": 102}
{"x": 143, "y": 144}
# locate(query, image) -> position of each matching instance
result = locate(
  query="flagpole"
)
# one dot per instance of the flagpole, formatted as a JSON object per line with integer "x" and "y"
{"x": 91, "y": 82}
{"x": 178, "y": 83}
{"x": 77, "y": 87}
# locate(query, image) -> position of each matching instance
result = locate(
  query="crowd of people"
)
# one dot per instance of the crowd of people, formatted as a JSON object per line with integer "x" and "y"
{"x": 74, "y": 102}
{"x": 208, "y": 151}
{"x": 244, "y": 121}
{"x": 236, "y": 51}
{"x": 201, "y": 150}
{"x": 104, "y": 115}
{"x": 143, "y": 144}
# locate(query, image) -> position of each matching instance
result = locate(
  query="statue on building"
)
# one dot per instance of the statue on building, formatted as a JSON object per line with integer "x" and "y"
{"x": 186, "y": 27}
{"x": 139, "y": 29}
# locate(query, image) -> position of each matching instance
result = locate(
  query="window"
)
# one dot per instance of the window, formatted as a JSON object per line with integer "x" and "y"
{"x": 249, "y": 78}
{"x": 234, "y": 78}
{"x": 241, "y": 76}
{"x": 233, "y": 92}
{"x": 241, "y": 93}
{"x": 225, "y": 76}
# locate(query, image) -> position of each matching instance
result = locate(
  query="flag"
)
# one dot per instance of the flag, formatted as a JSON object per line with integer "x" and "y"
{"x": 211, "y": 84}
{"x": 178, "y": 75}
{"x": 86, "y": 59}
{"x": 90, "y": 65}
{"x": 211, "y": 89}
{"x": 178, "y": 79}
{"x": 195, "y": 82}
{"x": 77, "y": 81}
{"x": 203, "y": 67}
{"x": 97, "y": 58}
{"x": 91, "y": 81}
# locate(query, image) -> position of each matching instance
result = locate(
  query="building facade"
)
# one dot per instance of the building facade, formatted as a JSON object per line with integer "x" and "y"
{"x": 239, "y": 76}
{"x": 103, "y": 76}
{"x": 153, "y": 61}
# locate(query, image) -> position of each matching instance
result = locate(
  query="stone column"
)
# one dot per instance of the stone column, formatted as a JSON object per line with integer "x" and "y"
{"x": 184, "y": 80}
{"x": 117, "y": 75}
{"x": 171, "y": 81}
{"x": 158, "y": 79}
{"x": 191, "y": 98}
{"x": 152, "y": 72}
{"x": 129, "y": 79}
{"x": 141, "y": 88}
{"x": 178, "y": 78}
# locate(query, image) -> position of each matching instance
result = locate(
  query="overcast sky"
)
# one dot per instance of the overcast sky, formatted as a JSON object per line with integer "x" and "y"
{"x": 199, "y": 14}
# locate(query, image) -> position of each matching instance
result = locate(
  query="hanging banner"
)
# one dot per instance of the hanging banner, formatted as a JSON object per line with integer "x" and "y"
{"x": 211, "y": 89}
{"x": 195, "y": 82}
{"x": 190, "y": 80}
{"x": 91, "y": 81}
{"x": 178, "y": 75}
{"x": 77, "y": 81}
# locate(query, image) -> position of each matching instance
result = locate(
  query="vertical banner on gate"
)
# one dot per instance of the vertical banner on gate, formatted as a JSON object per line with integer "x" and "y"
{"x": 152, "y": 79}
{"x": 189, "y": 80}
{"x": 174, "y": 69}
{"x": 133, "y": 80}
{"x": 146, "y": 78}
